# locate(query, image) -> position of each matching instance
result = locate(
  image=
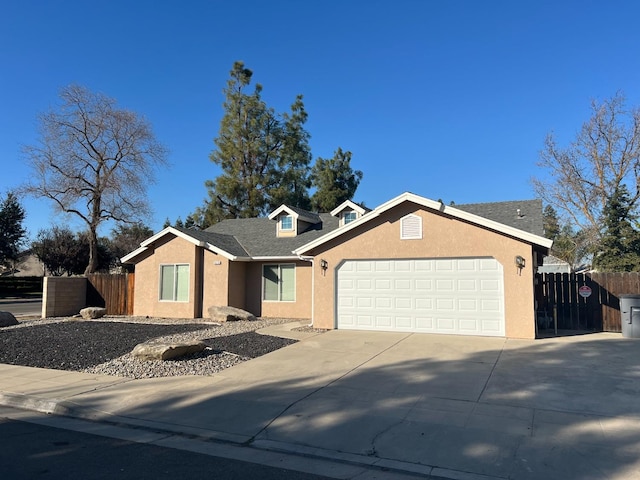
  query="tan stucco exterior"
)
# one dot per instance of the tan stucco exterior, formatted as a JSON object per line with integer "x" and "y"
{"x": 301, "y": 308}
{"x": 443, "y": 237}
{"x": 168, "y": 250}
{"x": 214, "y": 280}
{"x": 218, "y": 278}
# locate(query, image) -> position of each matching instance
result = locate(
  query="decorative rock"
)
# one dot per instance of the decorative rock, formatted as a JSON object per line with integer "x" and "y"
{"x": 229, "y": 314}
{"x": 7, "y": 319}
{"x": 90, "y": 313}
{"x": 165, "y": 351}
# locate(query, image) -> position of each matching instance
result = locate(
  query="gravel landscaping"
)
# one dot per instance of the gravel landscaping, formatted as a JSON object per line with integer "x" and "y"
{"x": 103, "y": 346}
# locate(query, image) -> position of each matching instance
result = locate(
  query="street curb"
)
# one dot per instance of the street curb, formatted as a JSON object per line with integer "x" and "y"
{"x": 65, "y": 408}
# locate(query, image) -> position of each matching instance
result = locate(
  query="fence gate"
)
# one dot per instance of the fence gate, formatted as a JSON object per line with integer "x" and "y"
{"x": 584, "y": 301}
{"x": 112, "y": 291}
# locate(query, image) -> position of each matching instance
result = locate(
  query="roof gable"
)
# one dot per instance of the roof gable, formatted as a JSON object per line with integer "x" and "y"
{"x": 222, "y": 244}
{"x": 434, "y": 205}
{"x": 297, "y": 213}
{"x": 349, "y": 205}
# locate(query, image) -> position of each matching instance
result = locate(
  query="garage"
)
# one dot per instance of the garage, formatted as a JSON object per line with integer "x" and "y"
{"x": 459, "y": 296}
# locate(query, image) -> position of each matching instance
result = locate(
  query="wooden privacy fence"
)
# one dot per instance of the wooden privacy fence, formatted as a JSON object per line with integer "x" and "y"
{"x": 560, "y": 295}
{"x": 113, "y": 291}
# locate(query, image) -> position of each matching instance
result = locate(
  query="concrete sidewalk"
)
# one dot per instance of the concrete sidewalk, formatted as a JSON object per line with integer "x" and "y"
{"x": 449, "y": 406}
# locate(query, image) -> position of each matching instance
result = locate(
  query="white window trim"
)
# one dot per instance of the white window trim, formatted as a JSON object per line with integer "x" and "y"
{"x": 404, "y": 236}
{"x": 175, "y": 284}
{"x": 295, "y": 281}
{"x": 286, "y": 229}
{"x": 349, "y": 212}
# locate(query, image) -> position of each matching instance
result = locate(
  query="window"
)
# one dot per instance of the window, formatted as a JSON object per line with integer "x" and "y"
{"x": 411, "y": 227}
{"x": 286, "y": 222}
{"x": 348, "y": 217}
{"x": 174, "y": 283}
{"x": 279, "y": 283}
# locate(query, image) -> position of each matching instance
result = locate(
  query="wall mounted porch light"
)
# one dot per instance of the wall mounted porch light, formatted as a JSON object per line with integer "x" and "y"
{"x": 520, "y": 261}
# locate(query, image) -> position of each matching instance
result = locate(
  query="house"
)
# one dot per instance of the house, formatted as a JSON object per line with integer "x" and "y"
{"x": 551, "y": 264}
{"x": 27, "y": 265}
{"x": 411, "y": 264}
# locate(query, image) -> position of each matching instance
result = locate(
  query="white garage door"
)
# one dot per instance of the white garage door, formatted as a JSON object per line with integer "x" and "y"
{"x": 463, "y": 296}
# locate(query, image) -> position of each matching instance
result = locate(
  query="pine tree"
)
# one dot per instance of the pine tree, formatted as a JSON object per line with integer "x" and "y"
{"x": 619, "y": 250}
{"x": 12, "y": 233}
{"x": 334, "y": 180}
{"x": 247, "y": 150}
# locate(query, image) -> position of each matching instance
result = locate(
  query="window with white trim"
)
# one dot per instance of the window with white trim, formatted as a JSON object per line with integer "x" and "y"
{"x": 286, "y": 222}
{"x": 411, "y": 227}
{"x": 174, "y": 282}
{"x": 349, "y": 216}
{"x": 279, "y": 282}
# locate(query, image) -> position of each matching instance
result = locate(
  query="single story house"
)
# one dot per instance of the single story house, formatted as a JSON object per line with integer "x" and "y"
{"x": 411, "y": 264}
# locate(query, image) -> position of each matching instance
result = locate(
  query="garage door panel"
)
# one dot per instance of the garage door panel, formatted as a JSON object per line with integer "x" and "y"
{"x": 424, "y": 304}
{"x": 445, "y": 285}
{"x": 364, "y": 266}
{"x": 464, "y": 296}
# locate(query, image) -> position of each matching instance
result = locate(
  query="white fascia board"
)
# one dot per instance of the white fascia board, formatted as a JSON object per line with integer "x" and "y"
{"x": 347, "y": 204}
{"x": 296, "y": 215}
{"x": 173, "y": 231}
{"x": 133, "y": 254}
{"x": 426, "y": 202}
{"x": 185, "y": 236}
{"x": 500, "y": 227}
{"x": 219, "y": 251}
{"x": 274, "y": 259}
{"x": 279, "y": 210}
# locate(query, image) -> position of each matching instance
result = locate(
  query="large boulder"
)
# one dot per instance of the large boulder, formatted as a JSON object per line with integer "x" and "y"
{"x": 155, "y": 350}
{"x": 7, "y": 319}
{"x": 229, "y": 314}
{"x": 91, "y": 313}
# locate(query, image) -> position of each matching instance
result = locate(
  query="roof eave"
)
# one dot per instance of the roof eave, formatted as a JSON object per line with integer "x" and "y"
{"x": 425, "y": 202}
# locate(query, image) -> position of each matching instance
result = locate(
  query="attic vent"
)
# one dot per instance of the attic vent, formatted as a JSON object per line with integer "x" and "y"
{"x": 411, "y": 227}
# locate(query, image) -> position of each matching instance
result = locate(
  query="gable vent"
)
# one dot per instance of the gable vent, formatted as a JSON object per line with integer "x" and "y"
{"x": 411, "y": 227}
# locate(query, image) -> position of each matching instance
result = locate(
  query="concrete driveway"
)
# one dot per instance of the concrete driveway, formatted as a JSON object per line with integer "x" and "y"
{"x": 458, "y": 407}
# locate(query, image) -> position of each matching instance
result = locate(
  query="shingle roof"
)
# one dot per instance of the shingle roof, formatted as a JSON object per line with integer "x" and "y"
{"x": 226, "y": 242}
{"x": 524, "y": 215}
{"x": 257, "y": 236}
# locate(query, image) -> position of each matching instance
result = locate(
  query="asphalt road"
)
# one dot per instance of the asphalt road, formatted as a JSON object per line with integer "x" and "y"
{"x": 22, "y": 307}
{"x": 29, "y": 450}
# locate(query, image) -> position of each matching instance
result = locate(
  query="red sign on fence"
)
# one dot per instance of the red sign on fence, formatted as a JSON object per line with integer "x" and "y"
{"x": 584, "y": 291}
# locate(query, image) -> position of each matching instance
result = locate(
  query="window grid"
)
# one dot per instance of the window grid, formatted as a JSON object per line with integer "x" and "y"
{"x": 349, "y": 217}
{"x": 286, "y": 222}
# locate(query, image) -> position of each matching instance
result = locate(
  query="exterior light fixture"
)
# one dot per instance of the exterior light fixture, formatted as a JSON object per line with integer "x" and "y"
{"x": 520, "y": 261}
{"x": 324, "y": 264}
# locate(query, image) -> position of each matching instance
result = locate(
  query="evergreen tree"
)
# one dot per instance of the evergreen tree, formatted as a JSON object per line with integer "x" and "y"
{"x": 247, "y": 150}
{"x": 291, "y": 180}
{"x": 619, "y": 250}
{"x": 335, "y": 181}
{"x": 550, "y": 222}
{"x": 12, "y": 233}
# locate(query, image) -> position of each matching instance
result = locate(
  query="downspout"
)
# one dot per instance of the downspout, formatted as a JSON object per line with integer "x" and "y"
{"x": 313, "y": 283}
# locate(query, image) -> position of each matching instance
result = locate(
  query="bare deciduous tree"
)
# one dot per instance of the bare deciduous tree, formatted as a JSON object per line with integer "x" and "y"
{"x": 604, "y": 155}
{"x": 95, "y": 161}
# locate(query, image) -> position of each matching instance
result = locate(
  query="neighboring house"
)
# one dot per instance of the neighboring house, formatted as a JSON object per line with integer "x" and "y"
{"x": 411, "y": 265}
{"x": 551, "y": 264}
{"x": 27, "y": 265}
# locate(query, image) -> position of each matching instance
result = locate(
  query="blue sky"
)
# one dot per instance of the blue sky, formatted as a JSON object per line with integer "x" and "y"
{"x": 449, "y": 99}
